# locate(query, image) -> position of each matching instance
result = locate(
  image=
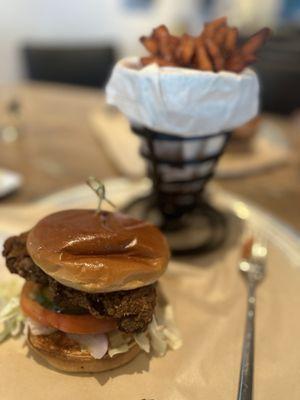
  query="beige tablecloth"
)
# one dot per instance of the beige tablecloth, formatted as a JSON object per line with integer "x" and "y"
{"x": 209, "y": 300}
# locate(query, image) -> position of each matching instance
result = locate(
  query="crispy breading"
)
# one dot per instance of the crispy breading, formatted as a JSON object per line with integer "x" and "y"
{"x": 133, "y": 309}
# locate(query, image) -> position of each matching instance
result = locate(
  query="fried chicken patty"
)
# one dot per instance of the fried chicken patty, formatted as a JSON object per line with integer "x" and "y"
{"x": 133, "y": 309}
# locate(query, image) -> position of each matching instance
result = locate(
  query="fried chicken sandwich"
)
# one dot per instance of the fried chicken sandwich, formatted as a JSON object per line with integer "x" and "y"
{"x": 91, "y": 287}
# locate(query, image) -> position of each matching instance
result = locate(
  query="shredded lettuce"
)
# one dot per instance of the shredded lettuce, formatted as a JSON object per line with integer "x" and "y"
{"x": 142, "y": 341}
{"x": 11, "y": 318}
{"x": 36, "y": 328}
{"x": 158, "y": 340}
{"x": 119, "y": 350}
{"x": 165, "y": 319}
{"x": 162, "y": 332}
{"x": 119, "y": 342}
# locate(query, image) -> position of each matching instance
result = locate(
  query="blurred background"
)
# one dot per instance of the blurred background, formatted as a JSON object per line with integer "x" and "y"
{"x": 78, "y": 42}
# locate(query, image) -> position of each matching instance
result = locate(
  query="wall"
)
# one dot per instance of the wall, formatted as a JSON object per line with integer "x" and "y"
{"x": 24, "y": 21}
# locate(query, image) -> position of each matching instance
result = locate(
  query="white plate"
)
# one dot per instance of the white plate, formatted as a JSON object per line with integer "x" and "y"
{"x": 9, "y": 182}
{"x": 215, "y": 298}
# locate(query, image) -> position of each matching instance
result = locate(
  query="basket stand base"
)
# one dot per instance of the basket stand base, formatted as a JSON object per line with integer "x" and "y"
{"x": 199, "y": 230}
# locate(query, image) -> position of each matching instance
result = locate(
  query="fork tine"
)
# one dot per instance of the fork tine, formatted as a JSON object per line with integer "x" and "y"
{"x": 259, "y": 251}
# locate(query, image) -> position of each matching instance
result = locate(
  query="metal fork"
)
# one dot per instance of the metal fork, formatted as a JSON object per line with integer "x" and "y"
{"x": 253, "y": 268}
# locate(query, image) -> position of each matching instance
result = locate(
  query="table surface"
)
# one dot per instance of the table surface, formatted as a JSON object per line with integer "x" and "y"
{"x": 57, "y": 150}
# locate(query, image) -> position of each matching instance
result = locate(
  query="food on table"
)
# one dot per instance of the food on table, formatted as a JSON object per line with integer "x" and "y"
{"x": 198, "y": 97}
{"x": 91, "y": 291}
{"x": 183, "y": 114}
{"x": 215, "y": 49}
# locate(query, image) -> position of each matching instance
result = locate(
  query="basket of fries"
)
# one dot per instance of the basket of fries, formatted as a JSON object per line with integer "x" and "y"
{"x": 182, "y": 100}
{"x": 179, "y": 167}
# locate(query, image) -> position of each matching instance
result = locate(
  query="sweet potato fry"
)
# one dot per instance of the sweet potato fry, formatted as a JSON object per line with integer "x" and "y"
{"x": 160, "y": 31}
{"x": 215, "y": 54}
{"x": 256, "y": 41}
{"x": 174, "y": 40}
{"x": 147, "y": 60}
{"x": 246, "y": 55}
{"x": 231, "y": 40}
{"x": 238, "y": 62}
{"x": 165, "y": 42}
{"x": 157, "y": 60}
{"x": 211, "y": 27}
{"x": 150, "y": 44}
{"x": 249, "y": 59}
{"x": 165, "y": 48}
{"x": 220, "y": 36}
{"x": 164, "y": 63}
{"x": 215, "y": 49}
{"x": 235, "y": 63}
{"x": 185, "y": 50}
{"x": 202, "y": 60}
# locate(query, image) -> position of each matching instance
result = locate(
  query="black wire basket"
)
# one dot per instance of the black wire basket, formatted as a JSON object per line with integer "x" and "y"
{"x": 179, "y": 169}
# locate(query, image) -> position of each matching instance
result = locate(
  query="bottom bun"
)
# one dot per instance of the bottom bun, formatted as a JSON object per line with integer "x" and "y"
{"x": 64, "y": 354}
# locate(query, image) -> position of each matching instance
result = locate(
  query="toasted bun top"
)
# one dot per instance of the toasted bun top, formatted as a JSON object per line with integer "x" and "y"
{"x": 102, "y": 252}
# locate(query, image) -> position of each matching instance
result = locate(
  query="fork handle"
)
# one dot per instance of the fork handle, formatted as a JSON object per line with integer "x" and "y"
{"x": 246, "y": 373}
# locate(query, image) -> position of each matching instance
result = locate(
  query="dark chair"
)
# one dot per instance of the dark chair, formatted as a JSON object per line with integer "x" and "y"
{"x": 79, "y": 65}
{"x": 278, "y": 69}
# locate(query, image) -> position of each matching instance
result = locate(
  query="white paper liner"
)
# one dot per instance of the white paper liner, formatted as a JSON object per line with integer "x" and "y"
{"x": 182, "y": 101}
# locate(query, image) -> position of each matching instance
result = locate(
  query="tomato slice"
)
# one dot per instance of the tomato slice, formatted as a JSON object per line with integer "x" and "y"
{"x": 82, "y": 324}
